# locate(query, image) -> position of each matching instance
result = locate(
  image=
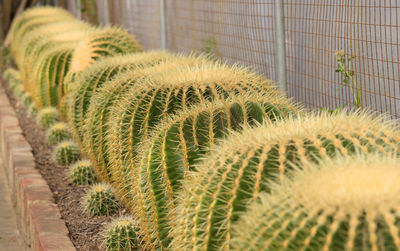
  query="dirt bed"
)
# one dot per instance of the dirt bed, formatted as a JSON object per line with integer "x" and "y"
{"x": 84, "y": 230}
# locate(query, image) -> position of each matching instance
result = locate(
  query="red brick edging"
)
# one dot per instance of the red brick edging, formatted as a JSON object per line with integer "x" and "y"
{"x": 39, "y": 219}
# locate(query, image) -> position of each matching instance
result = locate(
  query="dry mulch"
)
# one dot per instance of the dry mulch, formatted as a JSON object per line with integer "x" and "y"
{"x": 85, "y": 231}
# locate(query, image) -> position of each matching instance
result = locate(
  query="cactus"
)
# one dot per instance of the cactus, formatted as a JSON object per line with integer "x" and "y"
{"x": 13, "y": 77}
{"x": 33, "y": 19}
{"x": 98, "y": 114}
{"x": 100, "y": 200}
{"x": 57, "y": 133}
{"x": 163, "y": 94}
{"x": 102, "y": 43}
{"x": 96, "y": 75}
{"x": 50, "y": 74}
{"x": 26, "y": 99}
{"x": 243, "y": 166}
{"x": 18, "y": 91}
{"x": 32, "y": 110}
{"x": 11, "y": 74}
{"x": 175, "y": 146}
{"x": 66, "y": 153}
{"x": 81, "y": 173}
{"x": 47, "y": 117}
{"x": 348, "y": 203}
{"x": 121, "y": 234}
{"x": 36, "y": 48}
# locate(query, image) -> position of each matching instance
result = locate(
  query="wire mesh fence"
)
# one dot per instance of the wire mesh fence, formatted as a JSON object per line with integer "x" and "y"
{"x": 244, "y": 31}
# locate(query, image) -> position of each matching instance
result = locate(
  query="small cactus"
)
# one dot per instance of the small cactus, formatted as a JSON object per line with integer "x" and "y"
{"x": 66, "y": 153}
{"x": 18, "y": 91}
{"x": 32, "y": 110}
{"x": 81, "y": 173}
{"x": 47, "y": 117}
{"x": 121, "y": 235}
{"x": 240, "y": 168}
{"x": 57, "y": 133}
{"x": 15, "y": 83}
{"x": 100, "y": 200}
{"x": 348, "y": 203}
{"x": 26, "y": 99}
{"x": 11, "y": 74}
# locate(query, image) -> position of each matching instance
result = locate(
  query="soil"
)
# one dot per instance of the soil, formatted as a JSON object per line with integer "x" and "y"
{"x": 85, "y": 231}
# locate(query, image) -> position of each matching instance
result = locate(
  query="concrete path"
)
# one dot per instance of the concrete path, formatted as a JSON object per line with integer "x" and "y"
{"x": 9, "y": 235}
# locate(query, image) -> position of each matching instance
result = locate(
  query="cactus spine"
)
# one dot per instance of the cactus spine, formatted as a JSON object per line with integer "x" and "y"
{"x": 100, "y": 200}
{"x": 121, "y": 234}
{"x": 242, "y": 167}
{"x": 81, "y": 173}
{"x": 47, "y": 117}
{"x": 96, "y": 75}
{"x": 175, "y": 146}
{"x": 57, "y": 133}
{"x": 66, "y": 153}
{"x": 349, "y": 203}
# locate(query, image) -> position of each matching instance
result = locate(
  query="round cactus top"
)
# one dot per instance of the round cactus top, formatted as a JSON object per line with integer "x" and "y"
{"x": 100, "y": 188}
{"x": 347, "y": 202}
{"x": 59, "y": 126}
{"x": 48, "y": 110}
{"x": 104, "y": 42}
{"x": 352, "y": 184}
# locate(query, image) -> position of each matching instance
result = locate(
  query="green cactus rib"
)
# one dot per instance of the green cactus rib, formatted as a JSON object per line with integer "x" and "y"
{"x": 103, "y": 43}
{"x": 121, "y": 234}
{"x": 243, "y": 166}
{"x": 47, "y": 117}
{"x": 97, "y": 120}
{"x": 66, "y": 153}
{"x": 348, "y": 203}
{"x": 100, "y": 200}
{"x": 58, "y": 133}
{"x": 176, "y": 145}
{"x": 50, "y": 76}
{"x": 96, "y": 75}
{"x": 81, "y": 173}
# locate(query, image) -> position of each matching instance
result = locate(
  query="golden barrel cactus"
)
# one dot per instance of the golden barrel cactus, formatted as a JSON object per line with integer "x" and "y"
{"x": 242, "y": 167}
{"x": 348, "y": 203}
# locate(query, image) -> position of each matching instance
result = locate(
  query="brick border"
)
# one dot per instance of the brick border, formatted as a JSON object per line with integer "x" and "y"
{"x": 38, "y": 217}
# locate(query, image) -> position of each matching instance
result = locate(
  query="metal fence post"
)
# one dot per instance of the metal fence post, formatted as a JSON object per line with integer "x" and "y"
{"x": 78, "y": 9}
{"x": 280, "y": 44}
{"x": 106, "y": 13}
{"x": 162, "y": 25}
